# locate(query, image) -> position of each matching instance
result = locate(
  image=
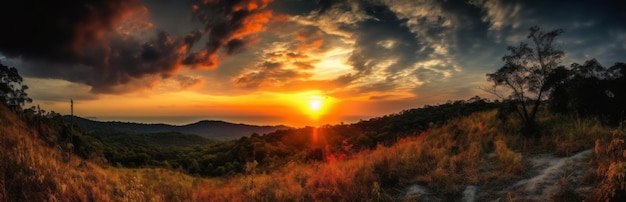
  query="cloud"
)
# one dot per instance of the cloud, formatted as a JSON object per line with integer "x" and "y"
{"x": 270, "y": 74}
{"x": 367, "y": 48}
{"x": 337, "y": 18}
{"x": 98, "y": 42}
{"x": 393, "y": 42}
{"x": 290, "y": 60}
{"x": 56, "y": 90}
{"x": 186, "y": 82}
{"x": 229, "y": 25}
{"x": 403, "y": 46}
{"x": 58, "y": 31}
{"x": 121, "y": 65}
{"x": 500, "y": 14}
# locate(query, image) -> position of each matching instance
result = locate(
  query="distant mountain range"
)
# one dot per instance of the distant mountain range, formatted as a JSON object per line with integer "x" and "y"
{"x": 205, "y": 128}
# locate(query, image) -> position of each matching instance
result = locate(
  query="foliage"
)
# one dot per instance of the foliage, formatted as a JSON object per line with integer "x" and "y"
{"x": 210, "y": 129}
{"x": 478, "y": 150}
{"x": 201, "y": 156}
{"x": 525, "y": 73}
{"x": 12, "y": 92}
{"x": 610, "y": 157}
{"x": 590, "y": 90}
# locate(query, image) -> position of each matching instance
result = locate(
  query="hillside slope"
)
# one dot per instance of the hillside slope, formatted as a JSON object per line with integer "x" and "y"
{"x": 33, "y": 170}
{"x": 209, "y": 129}
{"x": 473, "y": 158}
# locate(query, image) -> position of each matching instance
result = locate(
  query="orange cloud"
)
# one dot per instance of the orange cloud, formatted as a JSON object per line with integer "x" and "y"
{"x": 134, "y": 20}
{"x": 303, "y": 34}
{"x": 229, "y": 29}
{"x": 280, "y": 17}
{"x": 254, "y": 23}
{"x": 109, "y": 17}
{"x": 201, "y": 60}
{"x": 303, "y": 65}
{"x": 309, "y": 46}
{"x": 187, "y": 82}
{"x": 311, "y": 39}
{"x": 104, "y": 39}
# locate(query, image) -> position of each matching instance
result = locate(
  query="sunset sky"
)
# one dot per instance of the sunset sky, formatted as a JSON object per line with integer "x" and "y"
{"x": 293, "y": 62}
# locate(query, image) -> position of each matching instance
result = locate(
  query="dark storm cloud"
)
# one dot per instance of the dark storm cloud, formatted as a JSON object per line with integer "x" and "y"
{"x": 122, "y": 65}
{"x": 57, "y": 31}
{"x": 91, "y": 42}
{"x": 488, "y": 27}
{"x": 128, "y": 60}
{"x": 522, "y": 14}
{"x": 382, "y": 38}
{"x": 228, "y": 24}
{"x": 478, "y": 32}
{"x": 394, "y": 43}
{"x": 302, "y": 7}
{"x": 81, "y": 41}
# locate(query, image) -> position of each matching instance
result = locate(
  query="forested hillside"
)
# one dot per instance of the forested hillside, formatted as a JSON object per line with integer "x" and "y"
{"x": 209, "y": 129}
{"x": 478, "y": 150}
{"x": 201, "y": 156}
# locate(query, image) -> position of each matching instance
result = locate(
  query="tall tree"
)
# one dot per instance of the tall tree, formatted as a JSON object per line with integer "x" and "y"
{"x": 525, "y": 73}
{"x": 590, "y": 90}
{"x": 12, "y": 92}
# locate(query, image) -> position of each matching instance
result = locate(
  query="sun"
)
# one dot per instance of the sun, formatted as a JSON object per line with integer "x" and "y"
{"x": 315, "y": 105}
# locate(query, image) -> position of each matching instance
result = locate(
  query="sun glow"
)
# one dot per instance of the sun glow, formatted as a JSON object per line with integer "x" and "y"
{"x": 315, "y": 105}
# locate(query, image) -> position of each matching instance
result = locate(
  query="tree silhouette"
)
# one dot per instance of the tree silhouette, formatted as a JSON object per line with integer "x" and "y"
{"x": 616, "y": 83}
{"x": 525, "y": 74}
{"x": 12, "y": 92}
{"x": 590, "y": 90}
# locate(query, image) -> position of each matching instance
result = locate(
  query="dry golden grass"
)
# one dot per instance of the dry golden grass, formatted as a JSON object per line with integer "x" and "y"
{"x": 476, "y": 150}
{"x": 32, "y": 171}
{"x": 444, "y": 159}
{"x": 610, "y": 159}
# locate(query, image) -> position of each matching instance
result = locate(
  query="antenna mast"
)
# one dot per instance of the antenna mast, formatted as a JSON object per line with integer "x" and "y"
{"x": 71, "y": 117}
{"x": 69, "y": 154}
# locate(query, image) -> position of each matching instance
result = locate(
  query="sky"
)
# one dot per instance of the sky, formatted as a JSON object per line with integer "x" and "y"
{"x": 292, "y": 62}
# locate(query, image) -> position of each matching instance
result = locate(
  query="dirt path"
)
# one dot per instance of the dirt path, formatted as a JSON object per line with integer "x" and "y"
{"x": 547, "y": 172}
{"x": 542, "y": 181}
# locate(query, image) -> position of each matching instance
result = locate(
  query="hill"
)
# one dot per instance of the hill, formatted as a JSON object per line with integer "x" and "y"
{"x": 35, "y": 168}
{"x": 208, "y": 129}
{"x": 478, "y": 157}
{"x": 275, "y": 149}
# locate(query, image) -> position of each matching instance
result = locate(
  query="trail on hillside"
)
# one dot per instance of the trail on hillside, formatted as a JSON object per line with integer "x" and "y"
{"x": 548, "y": 173}
{"x": 541, "y": 183}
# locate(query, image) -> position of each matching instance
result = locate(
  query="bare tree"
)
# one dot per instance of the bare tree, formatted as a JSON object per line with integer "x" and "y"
{"x": 525, "y": 72}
